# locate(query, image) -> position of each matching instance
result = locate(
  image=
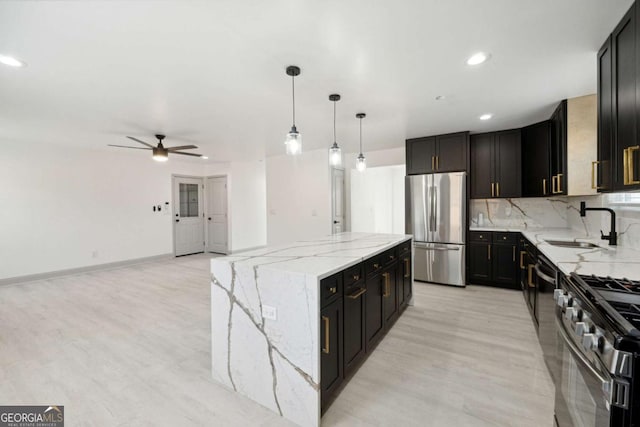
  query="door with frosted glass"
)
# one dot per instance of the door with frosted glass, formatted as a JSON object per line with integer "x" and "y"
{"x": 188, "y": 216}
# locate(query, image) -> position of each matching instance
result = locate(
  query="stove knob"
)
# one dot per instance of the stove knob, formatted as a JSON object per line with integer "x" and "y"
{"x": 589, "y": 341}
{"x": 562, "y": 301}
{"x": 557, "y": 293}
{"x": 581, "y": 328}
{"x": 570, "y": 313}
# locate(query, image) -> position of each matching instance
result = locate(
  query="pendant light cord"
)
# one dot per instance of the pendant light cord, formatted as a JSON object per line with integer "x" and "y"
{"x": 293, "y": 90}
{"x": 334, "y": 121}
{"x": 360, "y": 135}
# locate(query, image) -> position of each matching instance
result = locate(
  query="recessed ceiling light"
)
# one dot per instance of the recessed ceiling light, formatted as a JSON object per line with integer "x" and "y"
{"x": 11, "y": 61}
{"x": 486, "y": 116}
{"x": 478, "y": 58}
{"x": 440, "y": 97}
{"x": 204, "y": 157}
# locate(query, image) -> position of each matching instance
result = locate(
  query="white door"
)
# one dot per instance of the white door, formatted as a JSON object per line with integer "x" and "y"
{"x": 188, "y": 230}
{"x": 337, "y": 192}
{"x": 217, "y": 215}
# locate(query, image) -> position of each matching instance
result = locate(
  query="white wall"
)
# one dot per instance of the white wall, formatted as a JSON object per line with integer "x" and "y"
{"x": 377, "y": 199}
{"x": 247, "y": 193}
{"x": 298, "y": 196}
{"x": 69, "y": 207}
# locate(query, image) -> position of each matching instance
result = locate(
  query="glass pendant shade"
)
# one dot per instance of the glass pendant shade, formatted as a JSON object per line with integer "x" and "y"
{"x": 335, "y": 155}
{"x": 293, "y": 142}
{"x": 361, "y": 163}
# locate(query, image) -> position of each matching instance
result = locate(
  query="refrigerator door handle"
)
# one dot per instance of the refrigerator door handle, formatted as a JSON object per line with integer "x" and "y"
{"x": 435, "y": 208}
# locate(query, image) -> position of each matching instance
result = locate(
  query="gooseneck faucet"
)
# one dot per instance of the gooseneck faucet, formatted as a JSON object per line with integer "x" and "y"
{"x": 612, "y": 237}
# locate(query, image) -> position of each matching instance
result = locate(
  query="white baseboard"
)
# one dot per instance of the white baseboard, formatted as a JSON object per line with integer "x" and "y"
{"x": 79, "y": 270}
{"x": 246, "y": 249}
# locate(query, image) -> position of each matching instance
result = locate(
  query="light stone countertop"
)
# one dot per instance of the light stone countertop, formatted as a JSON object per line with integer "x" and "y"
{"x": 605, "y": 260}
{"x": 320, "y": 257}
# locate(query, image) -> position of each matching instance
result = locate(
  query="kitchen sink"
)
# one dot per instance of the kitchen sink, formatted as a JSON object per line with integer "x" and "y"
{"x": 570, "y": 244}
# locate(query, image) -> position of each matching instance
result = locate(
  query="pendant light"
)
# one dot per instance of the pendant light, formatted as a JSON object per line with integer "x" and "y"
{"x": 361, "y": 163}
{"x": 335, "y": 153}
{"x": 293, "y": 141}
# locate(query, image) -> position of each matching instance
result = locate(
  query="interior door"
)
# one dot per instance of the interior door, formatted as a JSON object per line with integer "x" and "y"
{"x": 337, "y": 190}
{"x": 188, "y": 213}
{"x": 217, "y": 227}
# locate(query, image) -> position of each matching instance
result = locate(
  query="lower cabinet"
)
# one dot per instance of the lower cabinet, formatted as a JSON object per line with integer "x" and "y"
{"x": 493, "y": 259}
{"x": 331, "y": 353}
{"x": 359, "y": 305}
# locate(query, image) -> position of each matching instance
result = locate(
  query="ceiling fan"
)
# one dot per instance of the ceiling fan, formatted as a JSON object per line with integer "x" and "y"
{"x": 160, "y": 152}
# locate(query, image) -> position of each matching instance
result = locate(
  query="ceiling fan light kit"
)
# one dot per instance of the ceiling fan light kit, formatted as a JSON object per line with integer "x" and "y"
{"x": 160, "y": 153}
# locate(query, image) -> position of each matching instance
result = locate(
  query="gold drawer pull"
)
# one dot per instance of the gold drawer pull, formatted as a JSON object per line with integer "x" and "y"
{"x": 493, "y": 189}
{"x": 333, "y": 289}
{"x": 522, "y": 254}
{"x": 376, "y": 266}
{"x": 326, "y": 334}
{"x": 356, "y": 277}
{"x": 387, "y": 288}
{"x": 594, "y": 179}
{"x": 497, "y": 189}
{"x": 531, "y": 285}
{"x": 560, "y": 182}
{"x": 554, "y": 184}
{"x": 357, "y": 294}
{"x": 628, "y": 166}
{"x": 407, "y": 269}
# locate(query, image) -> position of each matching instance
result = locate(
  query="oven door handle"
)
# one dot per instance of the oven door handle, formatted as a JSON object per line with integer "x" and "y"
{"x": 606, "y": 384}
{"x": 544, "y": 276}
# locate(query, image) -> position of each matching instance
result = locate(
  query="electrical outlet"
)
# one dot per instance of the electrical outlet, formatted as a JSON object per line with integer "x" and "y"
{"x": 269, "y": 312}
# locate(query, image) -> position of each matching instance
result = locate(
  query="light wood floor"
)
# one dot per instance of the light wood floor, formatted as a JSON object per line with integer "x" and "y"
{"x": 131, "y": 346}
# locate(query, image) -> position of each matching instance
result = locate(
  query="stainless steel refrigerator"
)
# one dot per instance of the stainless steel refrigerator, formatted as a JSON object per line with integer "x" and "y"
{"x": 436, "y": 216}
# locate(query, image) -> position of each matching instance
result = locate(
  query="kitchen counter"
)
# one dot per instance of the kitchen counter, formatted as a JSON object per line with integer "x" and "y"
{"x": 265, "y": 318}
{"x": 605, "y": 260}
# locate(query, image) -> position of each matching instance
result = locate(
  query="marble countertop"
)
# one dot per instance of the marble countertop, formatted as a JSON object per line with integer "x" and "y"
{"x": 319, "y": 257}
{"x": 604, "y": 260}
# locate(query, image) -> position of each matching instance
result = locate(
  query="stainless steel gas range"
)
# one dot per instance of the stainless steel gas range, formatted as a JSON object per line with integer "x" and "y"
{"x": 598, "y": 354}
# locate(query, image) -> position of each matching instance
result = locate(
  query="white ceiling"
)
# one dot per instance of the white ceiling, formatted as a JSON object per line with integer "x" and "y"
{"x": 212, "y": 73}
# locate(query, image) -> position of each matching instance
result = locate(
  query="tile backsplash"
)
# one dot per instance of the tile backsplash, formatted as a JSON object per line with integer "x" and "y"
{"x": 564, "y": 211}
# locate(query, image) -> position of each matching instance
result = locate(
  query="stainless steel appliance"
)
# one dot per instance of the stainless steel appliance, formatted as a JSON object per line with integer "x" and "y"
{"x": 598, "y": 321}
{"x": 546, "y": 281}
{"x": 436, "y": 216}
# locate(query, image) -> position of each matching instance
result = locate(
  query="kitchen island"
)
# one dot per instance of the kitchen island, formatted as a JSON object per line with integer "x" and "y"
{"x": 290, "y": 322}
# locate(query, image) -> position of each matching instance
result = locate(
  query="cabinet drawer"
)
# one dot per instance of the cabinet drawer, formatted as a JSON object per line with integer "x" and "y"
{"x": 389, "y": 257}
{"x": 404, "y": 248}
{"x": 480, "y": 236}
{"x": 506, "y": 238}
{"x": 330, "y": 289}
{"x": 373, "y": 265}
{"x": 352, "y": 275}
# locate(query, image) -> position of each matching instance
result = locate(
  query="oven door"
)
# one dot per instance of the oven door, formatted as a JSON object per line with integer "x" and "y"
{"x": 583, "y": 391}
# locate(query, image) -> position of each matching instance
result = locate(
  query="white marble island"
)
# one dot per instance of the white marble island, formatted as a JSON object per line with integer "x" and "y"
{"x": 265, "y": 320}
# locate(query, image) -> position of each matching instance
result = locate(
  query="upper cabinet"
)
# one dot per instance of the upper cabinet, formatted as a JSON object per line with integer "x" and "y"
{"x": 582, "y": 145}
{"x": 559, "y": 149}
{"x": 536, "y": 164}
{"x": 441, "y": 153}
{"x": 495, "y": 164}
{"x": 618, "y": 107}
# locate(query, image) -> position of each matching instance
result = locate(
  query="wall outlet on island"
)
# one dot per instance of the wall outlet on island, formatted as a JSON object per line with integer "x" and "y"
{"x": 269, "y": 312}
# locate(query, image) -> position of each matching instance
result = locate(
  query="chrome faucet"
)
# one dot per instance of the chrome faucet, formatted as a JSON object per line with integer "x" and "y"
{"x": 612, "y": 237}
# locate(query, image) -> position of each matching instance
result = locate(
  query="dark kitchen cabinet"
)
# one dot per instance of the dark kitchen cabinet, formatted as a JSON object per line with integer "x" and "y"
{"x": 390, "y": 293}
{"x": 404, "y": 278}
{"x": 354, "y": 326}
{"x": 559, "y": 149}
{"x": 536, "y": 164}
{"x": 331, "y": 327}
{"x": 603, "y": 169}
{"x": 619, "y": 107}
{"x": 495, "y": 164}
{"x": 374, "y": 310}
{"x": 441, "y": 153}
{"x": 493, "y": 258}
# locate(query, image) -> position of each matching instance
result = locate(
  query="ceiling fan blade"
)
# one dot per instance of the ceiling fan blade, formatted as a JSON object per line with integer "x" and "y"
{"x": 182, "y": 147}
{"x": 186, "y": 154}
{"x": 126, "y": 146}
{"x": 141, "y": 142}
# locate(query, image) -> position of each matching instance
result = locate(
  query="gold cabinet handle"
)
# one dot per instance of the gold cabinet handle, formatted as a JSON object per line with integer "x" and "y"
{"x": 433, "y": 162}
{"x": 356, "y": 277}
{"x": 333, "y": 289}
{"x": 594, "y": 179}
{"x": 437, "y": 162}
{"x": 629, "y": 169}
{"x": 497, "y": 189}
{"x": 325, "y": 319}
{"x": 376, "y": 266}
{"x": 544, "y": 186}
{"x": 560, "y": 183}
{"x": 489, "y": 252}
{"x": 357, "y": 294}
{"x": 530, "y": 274}
{"x": 407, "y": 269}
{"x": 493, "y": 189}
{"x": 554, "y": 184}
{"x": 514, "y": 253}
{"x": 387, "y": 290}
{"x": 522, "y": 254}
